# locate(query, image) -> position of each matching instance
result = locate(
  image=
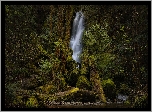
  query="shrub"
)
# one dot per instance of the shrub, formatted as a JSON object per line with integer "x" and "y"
{"x": 127, "y": 102}
{"x": 109, "y": 88}
{"x": 29, "y": 83}
{"x": 124, "y": 89}
{"x": 63, "y": 84}
{"x": 32, "y": 102}
{"x": 10, "y": 94}
{"x": 47, "y": 89}
{"x": 141, "y": 102}
{"x": 18, "y": 102}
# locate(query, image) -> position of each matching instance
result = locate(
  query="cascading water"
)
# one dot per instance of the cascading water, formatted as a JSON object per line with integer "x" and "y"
{"x": 76, "y": 38}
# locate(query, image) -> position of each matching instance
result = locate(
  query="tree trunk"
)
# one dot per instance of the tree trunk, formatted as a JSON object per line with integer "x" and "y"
{"x": 95, "y": 80}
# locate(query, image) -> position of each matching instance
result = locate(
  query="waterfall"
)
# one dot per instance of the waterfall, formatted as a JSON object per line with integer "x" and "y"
{"x": 76, "y": 38}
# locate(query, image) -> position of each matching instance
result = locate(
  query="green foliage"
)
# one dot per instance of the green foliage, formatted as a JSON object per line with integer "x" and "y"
{"x": 106, "y": 59}
{"x": 32, "y": 102}
{"x": 20, "y": 41}
{"x": 141, "y": 102}
{"x": 18, "y": 102}
{"x": 96, "y": 53}
{"x": 83, "y": 83}
{"x": 26, "y": 83}
{"x": 10, "y": 94}
{"x": 47, "y": 89}
{"x": 124, "y": 89}
{"x": 14, "y": 96}
{"x": 109, "y": 88}
{"x": 45, "y": 66}
{"x": 63, "y": 84}
{"x": 127, "y": 102}
{"x": 96, "y": 48}
{"x": 73, "y": 76}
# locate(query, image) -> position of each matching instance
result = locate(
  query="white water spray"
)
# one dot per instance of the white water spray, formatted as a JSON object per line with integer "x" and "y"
{"x": 76, "y": 38}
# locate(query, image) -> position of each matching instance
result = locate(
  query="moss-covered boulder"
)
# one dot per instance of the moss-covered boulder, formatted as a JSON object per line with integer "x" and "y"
{"x": 109, "y": 88}
{"x": 83, "y": 83}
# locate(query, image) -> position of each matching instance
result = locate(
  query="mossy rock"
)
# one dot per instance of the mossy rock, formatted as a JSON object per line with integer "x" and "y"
{"x": 83, "y": 83}
{"x": 109, "y": 88}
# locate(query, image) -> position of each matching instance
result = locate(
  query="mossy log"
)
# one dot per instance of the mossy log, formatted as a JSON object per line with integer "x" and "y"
{"x": 72, "y": 94}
